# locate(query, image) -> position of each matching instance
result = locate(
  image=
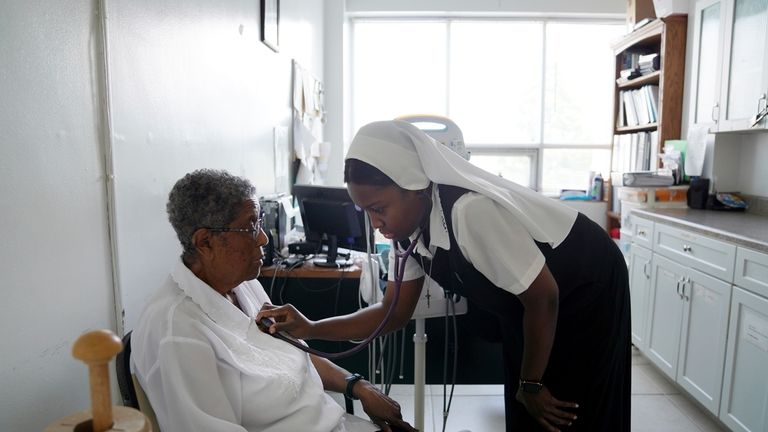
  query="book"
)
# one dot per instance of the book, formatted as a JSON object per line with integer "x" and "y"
{"x": 646, "y": 178}
{"x": 649, "y": 63}
{"x": 640, "y": 107}
{"x": 621, "y": 119}
{"x": 629, "y": 109}
{"x": 653, "y": 90}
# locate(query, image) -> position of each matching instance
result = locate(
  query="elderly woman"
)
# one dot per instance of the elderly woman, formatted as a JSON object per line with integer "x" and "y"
{"x": 197, "y": 351}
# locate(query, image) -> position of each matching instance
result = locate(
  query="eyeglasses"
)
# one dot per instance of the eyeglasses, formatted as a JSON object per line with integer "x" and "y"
{"x": 254, "y": 231}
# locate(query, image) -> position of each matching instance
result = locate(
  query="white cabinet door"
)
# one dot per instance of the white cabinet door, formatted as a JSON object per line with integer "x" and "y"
{"x": 751, "y": 271}
{"x": 744, "y": 405}
{"x": 708, "y": 29}
{"x": 744, "y": 84}
{"x": 639, "y": 287}
{"x": 666, "y": 314}
{"x": 706, "y": 303}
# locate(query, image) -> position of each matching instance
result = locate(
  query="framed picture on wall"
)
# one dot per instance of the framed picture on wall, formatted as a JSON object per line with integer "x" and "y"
{"x": 270, "y": 20}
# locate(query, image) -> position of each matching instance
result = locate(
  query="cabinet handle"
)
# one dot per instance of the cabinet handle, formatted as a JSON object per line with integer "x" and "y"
{"x": 686, "y": 248}
{"x": 679, "y": 281}
{"x": 761, "y": 112}
{"x": 641, "y": 233}
{"x": 715, "y": 108}
{"x": 645, "y": 269}
{"x": 686, "y": 281}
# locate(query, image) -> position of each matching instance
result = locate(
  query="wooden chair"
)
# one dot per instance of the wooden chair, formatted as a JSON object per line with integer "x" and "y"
{"x": 130, "y": 390}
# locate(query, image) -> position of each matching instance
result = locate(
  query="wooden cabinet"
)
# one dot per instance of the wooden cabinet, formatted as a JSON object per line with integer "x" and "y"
{"x": 730, "y": 64}
{"x": 640, "y": 291}
{"x": 667, "y": 37}
{"x": 744, "y": 405}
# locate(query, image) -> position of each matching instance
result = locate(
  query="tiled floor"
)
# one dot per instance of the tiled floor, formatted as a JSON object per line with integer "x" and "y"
{"x": 657, "y": 405}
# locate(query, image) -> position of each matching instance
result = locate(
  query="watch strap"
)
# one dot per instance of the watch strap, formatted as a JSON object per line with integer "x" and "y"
{"x": 529, "y": 386}
{"x": 351, "y": 381}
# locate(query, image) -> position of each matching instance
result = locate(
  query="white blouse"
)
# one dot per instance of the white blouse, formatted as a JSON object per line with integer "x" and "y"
{"x": 489, "y": 237}
{"x": 206, "y": 366}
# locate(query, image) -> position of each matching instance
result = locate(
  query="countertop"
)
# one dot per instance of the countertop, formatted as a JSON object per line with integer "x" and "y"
{"x": 743, "y": 229}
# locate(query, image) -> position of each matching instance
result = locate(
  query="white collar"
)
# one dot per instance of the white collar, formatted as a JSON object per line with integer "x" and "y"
{"x": 213, "y": 304}
{"x": 438, "y": 228}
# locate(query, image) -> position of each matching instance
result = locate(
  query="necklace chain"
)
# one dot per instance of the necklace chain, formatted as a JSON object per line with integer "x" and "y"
{"x": 429, "y": 277}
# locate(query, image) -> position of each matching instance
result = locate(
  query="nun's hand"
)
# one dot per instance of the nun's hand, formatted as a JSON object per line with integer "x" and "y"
{"x": 547, "y": 410}
{"x": 286, "y": 319}
{"x": 381, "y": 409}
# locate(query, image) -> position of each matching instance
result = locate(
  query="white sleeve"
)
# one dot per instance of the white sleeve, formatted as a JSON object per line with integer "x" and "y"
{"x": 190, "y": 385}
{"x": 495, "y": 243}
{"x": 412, "y": 268}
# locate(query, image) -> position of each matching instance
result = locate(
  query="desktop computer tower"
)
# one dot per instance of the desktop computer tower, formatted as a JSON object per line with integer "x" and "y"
{"x": 279, "y": 215}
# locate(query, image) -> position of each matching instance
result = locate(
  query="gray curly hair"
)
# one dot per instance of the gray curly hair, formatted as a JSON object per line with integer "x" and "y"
{"x": 205, "y": 198}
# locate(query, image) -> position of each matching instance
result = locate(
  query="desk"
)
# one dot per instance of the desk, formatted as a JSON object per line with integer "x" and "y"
{"x": 310, "y": 271}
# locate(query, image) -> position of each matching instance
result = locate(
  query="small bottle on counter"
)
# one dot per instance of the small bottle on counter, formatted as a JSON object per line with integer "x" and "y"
{"x": 596, "y": 190}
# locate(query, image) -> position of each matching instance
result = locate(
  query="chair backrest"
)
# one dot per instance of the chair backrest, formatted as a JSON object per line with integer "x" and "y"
{"x": 130, "y": 390}
{"x": 123, "y": 370}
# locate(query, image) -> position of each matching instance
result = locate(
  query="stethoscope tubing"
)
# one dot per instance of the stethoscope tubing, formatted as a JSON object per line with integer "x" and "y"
{"x": 400, "y": 258}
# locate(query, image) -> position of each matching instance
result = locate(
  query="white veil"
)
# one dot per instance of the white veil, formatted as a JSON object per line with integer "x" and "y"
{"x": 412, "y": 160}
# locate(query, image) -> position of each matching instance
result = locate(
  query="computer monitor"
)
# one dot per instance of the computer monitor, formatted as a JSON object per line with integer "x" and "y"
{"x": 331, "y": 218}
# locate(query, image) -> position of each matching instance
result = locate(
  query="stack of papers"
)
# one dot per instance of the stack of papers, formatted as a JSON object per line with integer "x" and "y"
{"x": 646, "y": 178}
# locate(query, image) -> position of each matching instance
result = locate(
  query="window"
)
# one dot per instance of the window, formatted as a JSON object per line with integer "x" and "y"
{"x": 515, "y": 165}
{"x": 533, "y": 97}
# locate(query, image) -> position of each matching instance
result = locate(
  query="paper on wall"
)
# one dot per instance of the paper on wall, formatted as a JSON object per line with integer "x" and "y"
{"x": 698, "y": 138}
{"x": 282, "y": 160}
{"x": 303, "y": 140}
{"x": 324, "y": 156}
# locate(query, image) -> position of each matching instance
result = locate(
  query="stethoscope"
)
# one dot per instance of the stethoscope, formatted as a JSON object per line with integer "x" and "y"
{"x": 400, "y": 258}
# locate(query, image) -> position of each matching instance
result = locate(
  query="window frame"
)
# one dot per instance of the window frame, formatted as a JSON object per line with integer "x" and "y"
{"x": 511, "y": 149}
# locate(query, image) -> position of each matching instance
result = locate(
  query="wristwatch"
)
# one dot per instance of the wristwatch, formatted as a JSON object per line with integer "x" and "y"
{"x": 351, "y": 381}
{"x": 530, "y": 386}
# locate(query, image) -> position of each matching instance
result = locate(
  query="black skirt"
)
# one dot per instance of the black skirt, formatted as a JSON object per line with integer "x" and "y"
{"x": 590, "y": 362}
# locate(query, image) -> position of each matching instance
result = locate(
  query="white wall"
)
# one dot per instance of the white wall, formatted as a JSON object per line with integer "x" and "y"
{"x": 55, "y": 269}
{"x": 191, "y": 86}
{"x": 336, "y": 78}
{"x": 739, "y": 163}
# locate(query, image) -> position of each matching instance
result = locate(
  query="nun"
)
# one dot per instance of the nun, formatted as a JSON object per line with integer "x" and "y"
{"x": 552, "y": 282}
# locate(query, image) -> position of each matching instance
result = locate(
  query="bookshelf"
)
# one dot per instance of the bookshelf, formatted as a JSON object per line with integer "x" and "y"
{"x": 657, "y": 96}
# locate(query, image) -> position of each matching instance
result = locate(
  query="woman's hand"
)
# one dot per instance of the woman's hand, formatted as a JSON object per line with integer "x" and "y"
{"x": 382, "y": 410}
{"x": 287, "y": 318}
{"x": 547, "y": 410}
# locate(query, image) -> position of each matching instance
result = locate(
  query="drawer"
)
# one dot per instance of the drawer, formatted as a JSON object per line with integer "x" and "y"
{"x": 642, "y": 231}
{"x": 751, "y": 271}
{"x": 628, "y": 219}
{"x": 713, "y": 257}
